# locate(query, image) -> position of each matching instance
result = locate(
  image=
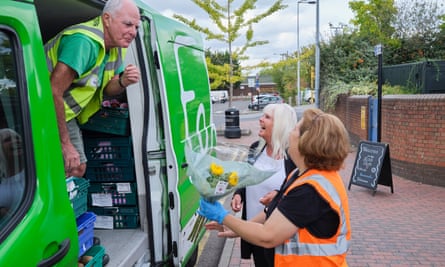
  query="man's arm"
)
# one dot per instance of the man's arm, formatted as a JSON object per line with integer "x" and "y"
{"x": 61, "y": 79}
{"x": 120, "y": 82}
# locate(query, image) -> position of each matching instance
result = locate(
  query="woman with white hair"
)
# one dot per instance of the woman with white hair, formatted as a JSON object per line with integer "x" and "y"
{"x": 12, "y": 181}
{"x": 268, "y": 154}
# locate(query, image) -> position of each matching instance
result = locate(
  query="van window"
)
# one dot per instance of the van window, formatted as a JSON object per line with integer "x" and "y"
{"x": 12, "y": 148}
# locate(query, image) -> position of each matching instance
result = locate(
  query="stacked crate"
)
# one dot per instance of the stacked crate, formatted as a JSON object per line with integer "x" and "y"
{"x": 112, "y": 194}
{"x": 77, "y": 189}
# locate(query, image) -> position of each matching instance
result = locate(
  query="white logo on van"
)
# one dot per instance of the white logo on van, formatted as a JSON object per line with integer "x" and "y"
{"x": 188, "y": 95}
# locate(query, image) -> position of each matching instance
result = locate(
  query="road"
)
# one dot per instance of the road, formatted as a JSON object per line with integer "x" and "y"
{"x": 245, "y": 114}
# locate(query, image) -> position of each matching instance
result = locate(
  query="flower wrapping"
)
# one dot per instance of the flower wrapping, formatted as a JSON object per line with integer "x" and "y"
{"x": 215, "y": 178}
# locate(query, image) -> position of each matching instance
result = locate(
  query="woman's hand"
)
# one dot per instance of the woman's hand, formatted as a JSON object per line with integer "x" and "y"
{"x": 236, "y": 203}
{"x": 222, "y": 230}
{"x": 267, "y": 198}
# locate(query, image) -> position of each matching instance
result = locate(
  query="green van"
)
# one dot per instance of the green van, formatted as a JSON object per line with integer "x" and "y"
{"x": 167, "y": 109}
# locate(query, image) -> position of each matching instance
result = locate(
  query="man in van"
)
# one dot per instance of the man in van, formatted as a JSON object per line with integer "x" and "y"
{"x": 85, "y": 61}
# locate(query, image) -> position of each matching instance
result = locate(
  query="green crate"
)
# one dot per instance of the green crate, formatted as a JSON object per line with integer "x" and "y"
{"x": 110, "y": 171}
{"x": 105, "y": 149}
{"x": 97, "y": 252}
{"x": 127, "y": 197}
{"x": 78, "y": 192}
{"x": 109, "y": 120}
{"x": 123, "y": 217}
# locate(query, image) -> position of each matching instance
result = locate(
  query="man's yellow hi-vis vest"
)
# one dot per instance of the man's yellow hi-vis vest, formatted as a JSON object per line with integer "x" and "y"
{"x": 84, "y": 97}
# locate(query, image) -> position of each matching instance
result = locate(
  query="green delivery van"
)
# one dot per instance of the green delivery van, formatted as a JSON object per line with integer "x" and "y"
{"x": 169, "y": 108}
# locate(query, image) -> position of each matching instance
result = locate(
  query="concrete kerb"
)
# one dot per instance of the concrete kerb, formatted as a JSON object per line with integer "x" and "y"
{"x": 214, "y": 243}
{"x": 226, "y": 253}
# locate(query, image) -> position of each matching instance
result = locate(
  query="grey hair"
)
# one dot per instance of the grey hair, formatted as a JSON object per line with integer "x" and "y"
{"x": 112, "y": 6}
{"x": 284, "y": 122}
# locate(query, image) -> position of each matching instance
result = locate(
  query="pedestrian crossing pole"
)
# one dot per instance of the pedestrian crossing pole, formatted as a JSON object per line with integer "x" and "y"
{"x": 378, "y": 52}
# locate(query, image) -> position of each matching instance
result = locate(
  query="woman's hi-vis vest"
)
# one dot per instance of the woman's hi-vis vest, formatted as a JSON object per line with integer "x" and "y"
{"x": 304, "y": 249}
{"x": 84, "y": 97}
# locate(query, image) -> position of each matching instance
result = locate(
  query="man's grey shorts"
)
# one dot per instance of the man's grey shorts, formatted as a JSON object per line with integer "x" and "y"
{"x": 76, "y": 138}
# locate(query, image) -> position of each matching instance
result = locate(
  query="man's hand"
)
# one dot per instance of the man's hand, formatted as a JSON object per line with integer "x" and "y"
{"x": 130, "y": 75}
{"x": 71, "y": 158}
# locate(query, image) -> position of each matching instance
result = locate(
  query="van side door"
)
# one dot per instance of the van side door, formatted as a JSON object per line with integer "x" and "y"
{"x": 37, "y": 224}
{"x": 186, "y": 107}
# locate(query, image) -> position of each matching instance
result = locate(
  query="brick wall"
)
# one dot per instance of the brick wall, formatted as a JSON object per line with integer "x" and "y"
{"x": 412, "y": 125}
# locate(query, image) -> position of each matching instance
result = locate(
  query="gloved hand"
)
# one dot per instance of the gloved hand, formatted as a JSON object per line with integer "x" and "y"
{"x": 213, "y": 211}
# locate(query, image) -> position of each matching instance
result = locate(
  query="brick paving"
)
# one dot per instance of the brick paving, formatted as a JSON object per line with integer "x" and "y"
{"x": 403, "y": 229}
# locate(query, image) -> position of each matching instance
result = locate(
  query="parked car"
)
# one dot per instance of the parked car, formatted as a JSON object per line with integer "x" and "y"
{"x": 219, "y": 96}
{"x": 256, "y": 97}
{"x": 264, "y": 101}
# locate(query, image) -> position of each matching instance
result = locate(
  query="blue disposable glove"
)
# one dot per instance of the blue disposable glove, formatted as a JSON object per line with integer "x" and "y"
{"x": 213, "y": 211}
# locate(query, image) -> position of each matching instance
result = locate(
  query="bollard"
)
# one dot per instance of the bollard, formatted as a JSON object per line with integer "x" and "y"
{"x": 232, "y": 124}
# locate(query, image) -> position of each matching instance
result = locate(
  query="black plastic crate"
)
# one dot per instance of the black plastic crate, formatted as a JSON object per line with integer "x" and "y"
{"x": 118, "y": 194}
{"x": 108, "y": 148}
{"x": 110, "y": 171}
{"x": 123, "y": 217}
{"x": 109, "y": 120}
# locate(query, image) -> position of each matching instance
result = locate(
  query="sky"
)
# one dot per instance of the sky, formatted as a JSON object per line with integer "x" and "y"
{"x": 280, "y": 29}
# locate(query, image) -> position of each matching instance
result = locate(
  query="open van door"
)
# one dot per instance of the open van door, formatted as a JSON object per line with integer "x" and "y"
{"x": 171, "y": 107}
{"x": 168, "y": 108}
{"x": 37, "y": 222}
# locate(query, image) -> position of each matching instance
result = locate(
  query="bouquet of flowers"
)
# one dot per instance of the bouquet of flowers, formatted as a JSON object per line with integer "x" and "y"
{"x": 215, "y": 178}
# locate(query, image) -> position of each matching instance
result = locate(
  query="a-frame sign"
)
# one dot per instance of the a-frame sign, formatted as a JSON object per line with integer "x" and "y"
{"x": 372, "y": 166}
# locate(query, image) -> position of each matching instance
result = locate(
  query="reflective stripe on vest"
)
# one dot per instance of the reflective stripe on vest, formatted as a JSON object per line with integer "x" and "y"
{"x": 295, "y": 247}
{"x": 83, "y": 98}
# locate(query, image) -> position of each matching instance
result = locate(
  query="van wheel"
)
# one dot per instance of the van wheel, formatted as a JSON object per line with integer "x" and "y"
{"x": 256, "y": 107}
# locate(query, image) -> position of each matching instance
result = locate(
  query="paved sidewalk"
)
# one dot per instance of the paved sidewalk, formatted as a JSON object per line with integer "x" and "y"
{"x": 406, "y": 228}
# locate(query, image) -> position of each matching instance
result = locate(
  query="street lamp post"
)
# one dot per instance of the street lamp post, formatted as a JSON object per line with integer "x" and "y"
{"x": 298, "y": 47}
{"x": 317, "y": 55}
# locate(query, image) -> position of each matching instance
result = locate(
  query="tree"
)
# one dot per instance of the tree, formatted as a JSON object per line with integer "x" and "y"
{"x": 375, "y": 20}
{"x": 284, "y": 72}
{"x": 218, "y": 67}
{"x": 232, "y": 25}
{"x": 348, "y": 58}
{"x": 418, "y": 26}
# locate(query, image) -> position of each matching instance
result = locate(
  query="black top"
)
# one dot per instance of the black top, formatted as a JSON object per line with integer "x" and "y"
{"x": 305, "y": 208}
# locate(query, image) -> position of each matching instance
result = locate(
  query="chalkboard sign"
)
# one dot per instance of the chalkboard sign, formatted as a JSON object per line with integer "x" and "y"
{"x": 372, "y": 166}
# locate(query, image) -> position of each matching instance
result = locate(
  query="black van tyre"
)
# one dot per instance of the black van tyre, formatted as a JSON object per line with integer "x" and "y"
{"x": 256, "y": 107}
{"x": 105, "y": 259}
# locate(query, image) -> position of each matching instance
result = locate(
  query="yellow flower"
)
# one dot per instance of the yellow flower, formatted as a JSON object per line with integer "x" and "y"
{"x": 233, "y": 179}
{"x": 216, "y": 169}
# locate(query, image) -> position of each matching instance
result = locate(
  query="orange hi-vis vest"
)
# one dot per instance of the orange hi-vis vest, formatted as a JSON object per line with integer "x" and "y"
{"x": 304, "y": 249}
